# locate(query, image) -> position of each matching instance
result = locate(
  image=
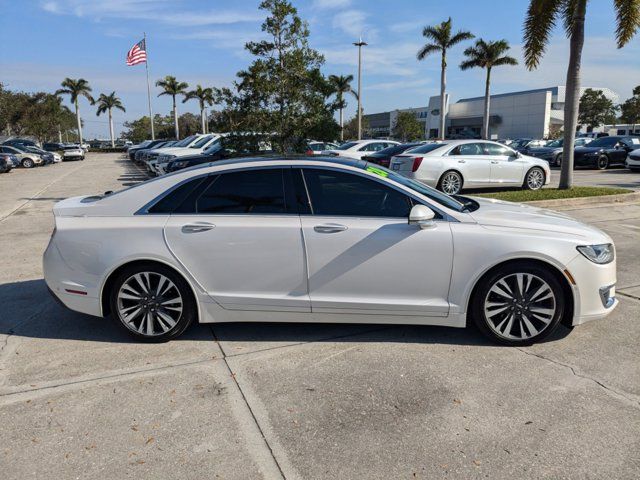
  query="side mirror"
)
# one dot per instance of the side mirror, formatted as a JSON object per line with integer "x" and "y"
{"x": 422, "y": 216}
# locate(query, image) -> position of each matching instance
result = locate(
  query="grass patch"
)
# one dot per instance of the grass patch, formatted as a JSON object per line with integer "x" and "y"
{"x": 552, "y": 193}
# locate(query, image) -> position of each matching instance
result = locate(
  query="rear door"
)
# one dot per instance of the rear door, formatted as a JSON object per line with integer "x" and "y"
{"x": 239, "y": 235}
{"x": 506, "y": 167}
{"x": 472, "y": 163}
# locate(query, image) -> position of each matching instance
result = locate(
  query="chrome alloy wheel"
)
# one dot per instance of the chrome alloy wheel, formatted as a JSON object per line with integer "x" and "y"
{"x": 519, "y": 306}
{"x": 451, "y": 183}
{"x": 535, "y": 179}
{"x": 149, "y": 303}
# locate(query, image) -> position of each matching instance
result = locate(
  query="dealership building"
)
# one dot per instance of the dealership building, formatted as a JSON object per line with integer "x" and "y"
{"x": 526, "y": 114}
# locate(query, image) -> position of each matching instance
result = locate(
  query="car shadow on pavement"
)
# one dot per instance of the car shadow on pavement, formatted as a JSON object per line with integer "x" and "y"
{"x": 29, "y": 310}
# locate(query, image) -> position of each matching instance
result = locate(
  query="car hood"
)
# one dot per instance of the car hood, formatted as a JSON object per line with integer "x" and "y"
{"x": 498, "y": 213}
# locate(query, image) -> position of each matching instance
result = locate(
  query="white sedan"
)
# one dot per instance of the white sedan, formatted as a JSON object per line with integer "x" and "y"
{"x": 357, "y": 149}
{"x": 454, "y": 165}
{"x": 322, "y": 240}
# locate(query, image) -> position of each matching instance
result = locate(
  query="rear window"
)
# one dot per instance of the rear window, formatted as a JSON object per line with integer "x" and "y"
{"x": 426, "y": 148}
{"x": 347, "y": 146}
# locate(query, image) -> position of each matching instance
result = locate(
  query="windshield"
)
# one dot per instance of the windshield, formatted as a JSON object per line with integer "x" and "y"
{"x": 200, "y": 143}
{"x": 431, "y": 193}
{"x": 604, "y": 142}
{"x": 214, "y": 147}
{"x": 346, "y": 146}
{"x": 185, "y": 142}
{"x": 555, "y": 144}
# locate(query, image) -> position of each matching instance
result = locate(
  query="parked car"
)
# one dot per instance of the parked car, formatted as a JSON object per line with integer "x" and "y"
{"x": 53, "y": 146}
{"x": 202, "y": 245}
{"x": 523, "y": 145}
{"x": 6, "y": 162}
{"x": 131, "y": 151}
{"x": 49, "y": 157}
{"x": 27, "y": 159}
{"x": 454, "y": 165}
{"x": 213, "y": 153}
{"x": 604, "y": 152}
{"x": 552, "y": 151}
{"x": 189, "y": 146}
{"x": 141, "y": 154}
{"x": 358, "y": 148}
{"x": 72, "y": 152}
{"x": 316, "y": 148}
{"x": 383, "y": 157}
{"x": 633, "y": 160}
{"x": 20, "y": 142}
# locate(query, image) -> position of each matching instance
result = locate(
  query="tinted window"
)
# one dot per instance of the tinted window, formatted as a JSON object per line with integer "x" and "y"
{"x": 201, "y": 143}
{"x": 372, "y": 147}
{"x": 467, "y": 149}
{"x": 605, "y": 142}
{"x": 426, "y": 148}
{"x": 347, "y": 146}
{"x": 249, "y": 191}
{"x": 170, "y": 202}
{"x": 494, "y": 149}
{"x": 347, "y": 194}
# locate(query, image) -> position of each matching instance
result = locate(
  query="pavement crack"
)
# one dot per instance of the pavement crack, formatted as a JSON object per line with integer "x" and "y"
{"x": 246, "y": 402}
{"x": 634, "y": 402}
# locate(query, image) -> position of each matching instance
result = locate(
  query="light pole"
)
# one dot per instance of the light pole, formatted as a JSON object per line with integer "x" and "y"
{"x": 360, "y": 44}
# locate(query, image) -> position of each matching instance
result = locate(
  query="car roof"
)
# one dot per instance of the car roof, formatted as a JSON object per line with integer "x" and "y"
{"x": 298, "y": 159}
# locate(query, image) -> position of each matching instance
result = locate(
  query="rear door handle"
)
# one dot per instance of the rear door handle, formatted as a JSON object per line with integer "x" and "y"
{"x": 462, "y": 161}
{"x": 197, "y": 227}
{"x": 330, "y": 228}
{"x": 494, "y": 161}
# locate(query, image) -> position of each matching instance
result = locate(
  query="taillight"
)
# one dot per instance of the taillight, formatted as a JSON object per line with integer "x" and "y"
{"x": 309, "y": 152}
{"x": 416, "y": 163}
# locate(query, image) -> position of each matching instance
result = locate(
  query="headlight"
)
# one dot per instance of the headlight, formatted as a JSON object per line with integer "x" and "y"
{"x": 181, "y": 164}
{"x": 599, "y": 254}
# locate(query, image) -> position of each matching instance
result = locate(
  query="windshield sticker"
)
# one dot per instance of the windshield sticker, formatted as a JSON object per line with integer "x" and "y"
{"x": 378, "y": 171}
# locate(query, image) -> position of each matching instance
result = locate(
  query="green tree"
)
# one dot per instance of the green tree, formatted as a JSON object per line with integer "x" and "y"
{"x": 283, "y": 92}
{"x": 542, "y": 16}
{"x": 341, "y": 85}
{"x": 630, "y": 109}
{"x": 351, "y": 127}
{"x": 76, "y": 89}
{"x": 595, "y": 109}
{"x": 407, "y": 127}
{"x": 204, "y": 97}
{"x": 487, "y": 54}
{"x": 440, "y": 39}
{"x": 172, "y": 87}
{"x": 106, "y": 103}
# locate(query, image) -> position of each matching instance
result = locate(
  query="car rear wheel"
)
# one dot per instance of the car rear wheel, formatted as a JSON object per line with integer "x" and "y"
{"x": 534, "y": 179}
{"x": 450, "y": 183}
{"x": 602, "y": 163}
{"x": 152, "y": 302}
{"x": 518, "y": 304}
{"x": 28, "y": 163}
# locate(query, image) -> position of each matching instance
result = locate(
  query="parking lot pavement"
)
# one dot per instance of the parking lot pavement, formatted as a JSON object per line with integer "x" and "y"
{"x": 79, "y": 399}
{"x": 613, "y": 177}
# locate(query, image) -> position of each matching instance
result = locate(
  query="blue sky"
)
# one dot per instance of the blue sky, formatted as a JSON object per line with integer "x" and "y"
{"x": 201, "y": 41}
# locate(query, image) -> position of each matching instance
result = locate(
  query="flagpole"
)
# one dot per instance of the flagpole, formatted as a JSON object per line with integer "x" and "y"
{"x": 146, "y": 64}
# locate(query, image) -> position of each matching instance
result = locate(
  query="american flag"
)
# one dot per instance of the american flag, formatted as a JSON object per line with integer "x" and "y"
{"x": 137, "y": 54}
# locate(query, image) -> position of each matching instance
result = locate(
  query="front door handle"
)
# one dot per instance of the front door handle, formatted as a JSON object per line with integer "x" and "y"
{"x": 197, "y": 227}
{"x": 330, "y": 228}
{"x": 462, "y": 161}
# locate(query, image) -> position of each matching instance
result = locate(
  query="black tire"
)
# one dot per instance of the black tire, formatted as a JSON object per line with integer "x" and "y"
{"x": 534, "y": 179}
{"x": 488, "y": 326}
{"x": 81, "y": 158}
{"x": 27, "y": 163}
{"x": 602, "y": 163}
{"x": 188, "y": 314}
{"x": 444, "y": 183}
{"x": 558, "y": 160}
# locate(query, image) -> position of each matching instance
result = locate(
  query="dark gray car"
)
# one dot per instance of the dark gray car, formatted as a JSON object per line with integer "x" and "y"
{"x": 552, "y": 151}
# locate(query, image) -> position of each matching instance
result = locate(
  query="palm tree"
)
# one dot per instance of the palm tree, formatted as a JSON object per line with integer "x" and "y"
{"x": 75, "y": 89}
{"x": 441, "y": 40}
{"x": 341, "y": 85}
{"x": 487, "y": 55}
{"x": 173, "y": 87}
{"x": 205, "y": 97}
{"x": 541, "y": 18}
{"x": 105, "y": 104}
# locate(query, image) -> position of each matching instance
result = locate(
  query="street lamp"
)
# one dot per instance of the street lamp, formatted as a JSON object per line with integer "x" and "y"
{"x": 360, "y": 44}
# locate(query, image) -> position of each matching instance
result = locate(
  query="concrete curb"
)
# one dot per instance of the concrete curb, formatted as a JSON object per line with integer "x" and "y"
{"x": 590, "y": 201}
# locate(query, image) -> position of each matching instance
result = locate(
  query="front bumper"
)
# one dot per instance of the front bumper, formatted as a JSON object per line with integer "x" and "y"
{"x": 632, "y": 161}
{"x": 594, "y": 291}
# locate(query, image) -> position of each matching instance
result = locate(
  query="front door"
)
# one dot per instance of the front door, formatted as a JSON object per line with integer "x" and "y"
{"x": 240, "y": 237}
{"x": 364, "y": 257}
{"x": 472, "y": 163}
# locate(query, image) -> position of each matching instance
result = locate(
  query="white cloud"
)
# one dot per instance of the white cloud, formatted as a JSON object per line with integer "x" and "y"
{"x": 401, "y": 85}
{"x": 391, "y": 59}
{"x": 352, "y": 22}
{"x": 327, "y": 4}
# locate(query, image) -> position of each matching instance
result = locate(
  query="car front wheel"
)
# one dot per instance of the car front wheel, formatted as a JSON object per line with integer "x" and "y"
{"x": 534, "y": 179}
{"x": 450, "y": 183}
{"x": 152, "y": 302}
{"x": 518, "y": 304}
{"x": 28, "y": 163}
